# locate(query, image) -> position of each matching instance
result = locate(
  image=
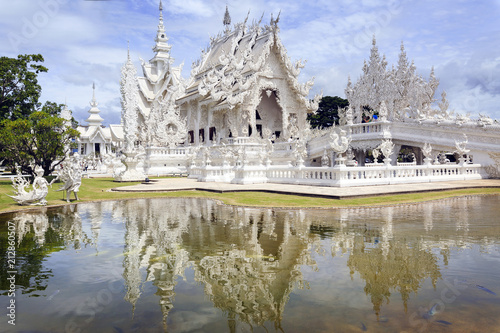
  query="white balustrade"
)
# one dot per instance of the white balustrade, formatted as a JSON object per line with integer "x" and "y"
{"x": 164, "y": 151}
{"x": 371, "y": 175}
{"x": 365, "y": 128}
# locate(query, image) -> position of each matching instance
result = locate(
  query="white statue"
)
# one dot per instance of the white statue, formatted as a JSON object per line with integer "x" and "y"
{"x": 460, "y": 146}
{"x": 37, "y": 195}
{"x": 427, "y": 150}
{"x": 339, "y": 143}
{"x": 71, "y": 175}
{"x": 484, "y": 120}
{"x": 376, "y": 154}
{"x": 325, "y": 160}
{"x": 112, "y": 163}
{"x": 387, "y": 148}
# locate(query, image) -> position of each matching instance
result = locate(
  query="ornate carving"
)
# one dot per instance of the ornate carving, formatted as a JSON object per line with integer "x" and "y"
{"x": 339, "y": 142}
{"x": 427, "y": 150}
{"x": 129, "y": 95}
{"x": 399, "y": 94}
{"x": 387, "y": 148}
{"x": 71, "y": 175}
{"x": 493, "y": 170}
{"x": 167, "y": 127}
{"x": 460, "y": 146}
{"x": 325, "y": 160}
{"x": 34, "y": 197}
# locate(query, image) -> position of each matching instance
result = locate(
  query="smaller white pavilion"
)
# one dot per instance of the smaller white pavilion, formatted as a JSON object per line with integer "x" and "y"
{"x": 96, "y": 139}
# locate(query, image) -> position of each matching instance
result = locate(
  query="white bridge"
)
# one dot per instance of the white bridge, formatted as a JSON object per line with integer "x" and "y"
{"x": 483, "y": 139}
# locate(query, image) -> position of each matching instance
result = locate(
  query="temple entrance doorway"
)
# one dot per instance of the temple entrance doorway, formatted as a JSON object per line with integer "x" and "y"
{"x": 97, "y": 149}
{"x": 268, "y": 115}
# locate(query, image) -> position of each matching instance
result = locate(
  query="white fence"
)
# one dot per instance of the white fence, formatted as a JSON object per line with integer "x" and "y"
{"x": 373, "y": 175}
{"x": 338, "y": 176}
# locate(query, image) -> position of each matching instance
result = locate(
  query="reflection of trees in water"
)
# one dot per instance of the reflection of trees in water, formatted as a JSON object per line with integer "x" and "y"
{"x": 38, "y": 235}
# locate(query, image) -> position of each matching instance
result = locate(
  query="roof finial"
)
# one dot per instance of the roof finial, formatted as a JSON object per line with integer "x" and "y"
{"x": 94, "y": 102}
{"x": 227, "y": 19}
{"x": 161, "y": 13}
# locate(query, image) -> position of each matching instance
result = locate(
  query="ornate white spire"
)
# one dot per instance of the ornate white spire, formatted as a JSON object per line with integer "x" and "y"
{"x": 129, "y": 100}
{"x": 94, "y": 119}
{"x": 93, "y": 102}
{"x": 227, "y": 20}
{"x": 162, "y": 48}
{"x": 160, "y": 25}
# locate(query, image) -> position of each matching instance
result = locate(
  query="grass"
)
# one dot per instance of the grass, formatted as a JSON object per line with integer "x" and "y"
{"x": 97, "y": 189}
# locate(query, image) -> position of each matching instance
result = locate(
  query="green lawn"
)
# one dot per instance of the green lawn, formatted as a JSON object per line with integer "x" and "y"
{"x": 98, "y": 189}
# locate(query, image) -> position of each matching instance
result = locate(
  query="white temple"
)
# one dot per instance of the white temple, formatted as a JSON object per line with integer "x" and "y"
{"x": 241, "y": 118}
{"x": 95, "y": 139}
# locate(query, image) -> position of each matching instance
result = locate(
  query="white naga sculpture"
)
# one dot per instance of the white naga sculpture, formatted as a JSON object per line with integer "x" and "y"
{"x": 339, "y": 142}
{"x": 37, "y": 195}
{"x": 71, "y": 174}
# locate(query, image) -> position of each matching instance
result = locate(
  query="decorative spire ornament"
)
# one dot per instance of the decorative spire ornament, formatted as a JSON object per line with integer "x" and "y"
{"x": 93, "y": 103}
{"x": 94, "y": 119}
{"x": 227, "y": 20}
{"x": 129, "y": 100}
{"x": 162, "y": 48}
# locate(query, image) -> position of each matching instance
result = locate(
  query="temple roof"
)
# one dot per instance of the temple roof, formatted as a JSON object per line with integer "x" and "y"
{"x": 230, "y": 69}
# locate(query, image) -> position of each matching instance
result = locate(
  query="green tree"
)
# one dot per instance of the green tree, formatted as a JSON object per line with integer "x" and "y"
{"x": 55, "y": 109}
{"x": 327, "y": 113}
{"x": 40, "y": 139}
{"x": 19, "y": 88}
{"x": 52, "y": 108}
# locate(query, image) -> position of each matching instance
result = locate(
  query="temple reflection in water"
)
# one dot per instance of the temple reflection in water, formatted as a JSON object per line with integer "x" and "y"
{"x": 250, "y": 260}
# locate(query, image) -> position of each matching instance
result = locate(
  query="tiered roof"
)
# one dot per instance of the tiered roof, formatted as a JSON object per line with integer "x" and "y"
{"x": 228, "y": 70}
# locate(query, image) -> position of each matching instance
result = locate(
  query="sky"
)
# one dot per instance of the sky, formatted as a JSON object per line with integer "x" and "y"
{"x": 85, "y": 42}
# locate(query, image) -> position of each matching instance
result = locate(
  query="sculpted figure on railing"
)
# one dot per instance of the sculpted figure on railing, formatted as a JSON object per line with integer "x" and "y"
{"x": 375, "y": 154}
{"x": 339, "y": 142}
{"x": 461, "y": 149}
{"x": 460, "y": 146}
{"x": 484, "y": 120}
{"x": 325, "y": 160}
{"x": 427, "y": 151}
{"x": 387, "y": 148}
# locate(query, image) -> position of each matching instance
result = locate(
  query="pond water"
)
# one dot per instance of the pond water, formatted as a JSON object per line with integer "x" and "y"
{"x": 193, "y": 265}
